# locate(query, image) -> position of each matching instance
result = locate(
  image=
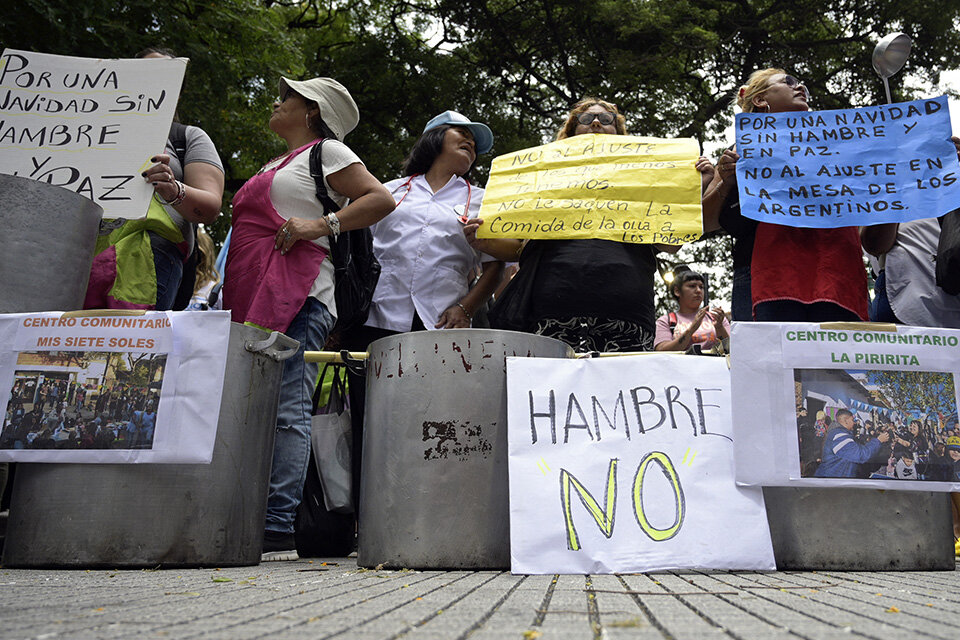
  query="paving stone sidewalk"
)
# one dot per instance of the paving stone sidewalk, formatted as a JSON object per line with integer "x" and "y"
{"x": 319, "y": 599}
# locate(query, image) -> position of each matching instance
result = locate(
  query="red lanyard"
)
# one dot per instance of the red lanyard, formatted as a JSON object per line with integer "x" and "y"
{"x": 409, "y": 185}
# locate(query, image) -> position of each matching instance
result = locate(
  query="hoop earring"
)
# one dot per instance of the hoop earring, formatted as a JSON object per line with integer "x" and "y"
{"x": 306, "y": 118}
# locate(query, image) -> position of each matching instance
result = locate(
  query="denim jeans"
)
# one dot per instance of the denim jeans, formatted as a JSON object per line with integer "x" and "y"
{"x": 168, "y": 264}
{"x": 880, "y": 309}
{"x": 291, "y": 451}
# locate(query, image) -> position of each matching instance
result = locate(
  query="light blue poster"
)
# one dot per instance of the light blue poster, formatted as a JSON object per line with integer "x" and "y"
{"x": 849, "y": 167}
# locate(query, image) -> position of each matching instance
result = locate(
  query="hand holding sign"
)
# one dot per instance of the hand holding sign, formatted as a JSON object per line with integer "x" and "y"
{"x": 613, "y": 187}
{"x": 828, "y": 169}
{"x": 161, "y": 177}
{"x": 86, "y": 124}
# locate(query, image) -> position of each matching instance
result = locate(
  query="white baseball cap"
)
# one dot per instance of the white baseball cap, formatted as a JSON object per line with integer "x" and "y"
{"x": 337, "y": 107}
{"x": 481, "y": 132}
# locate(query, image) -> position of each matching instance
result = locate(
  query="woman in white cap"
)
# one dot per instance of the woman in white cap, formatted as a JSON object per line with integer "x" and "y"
{"x": 278, "y": 276}
{"x": 426, "y": 260}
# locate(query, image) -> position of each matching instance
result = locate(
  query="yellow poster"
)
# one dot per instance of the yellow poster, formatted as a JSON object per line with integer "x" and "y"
{"x": 622, "y": 188}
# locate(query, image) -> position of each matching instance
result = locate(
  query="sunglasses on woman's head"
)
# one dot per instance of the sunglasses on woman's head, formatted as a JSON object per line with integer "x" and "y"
{"x": 605, "y": 117}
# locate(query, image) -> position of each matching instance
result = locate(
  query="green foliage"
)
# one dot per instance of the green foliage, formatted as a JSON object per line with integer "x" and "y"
{"x": 916, "y": 390}
{"x": 671, "y": 66}
{"x": 237, "y": 49}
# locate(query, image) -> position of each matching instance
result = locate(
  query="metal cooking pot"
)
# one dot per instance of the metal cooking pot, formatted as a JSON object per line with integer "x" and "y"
{"x": 434, "y": 491}
{"x": 145, "y": 515}
{"x": 859, "y": 529}
{"x": 46, "y": 248}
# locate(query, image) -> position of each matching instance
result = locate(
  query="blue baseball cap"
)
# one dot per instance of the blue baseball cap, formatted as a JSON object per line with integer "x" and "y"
{"x": 481, "y": 132}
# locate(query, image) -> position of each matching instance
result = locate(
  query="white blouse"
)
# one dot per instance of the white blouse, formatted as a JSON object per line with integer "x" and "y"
{"x": 423, "y": 253}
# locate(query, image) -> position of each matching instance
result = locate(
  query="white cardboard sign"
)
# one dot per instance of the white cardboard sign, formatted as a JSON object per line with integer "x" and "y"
{"x": 626, "y": 464}
{"x": 849, "y": 405}
{"x": 87, "y": 125}
{"x": 112, "y": 388}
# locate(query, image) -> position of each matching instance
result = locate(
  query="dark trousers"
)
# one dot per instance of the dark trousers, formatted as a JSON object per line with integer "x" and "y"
{"x": 793, "y": 311}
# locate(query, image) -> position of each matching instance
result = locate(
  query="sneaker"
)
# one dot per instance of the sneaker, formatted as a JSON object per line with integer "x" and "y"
{"x": 278, "y": 547}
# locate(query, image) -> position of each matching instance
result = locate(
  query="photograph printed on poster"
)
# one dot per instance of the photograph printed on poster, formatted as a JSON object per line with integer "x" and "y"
{"x": 878, "y": 425}
{"x": 83, "y": 400}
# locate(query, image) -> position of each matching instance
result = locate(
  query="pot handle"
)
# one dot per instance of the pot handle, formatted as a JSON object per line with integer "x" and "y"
{"x": 356, "y": 366}
{"x": 277, "y": 346}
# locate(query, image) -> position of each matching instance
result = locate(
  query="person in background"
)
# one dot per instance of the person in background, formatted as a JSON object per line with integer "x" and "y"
{"x": 207, "y": 276}
{"x": 694, "y": 325}
{"x": 139, "y": 263}
{"x": 940, "y": 463}
{"x": 903, "y": 255}
{"x": 796, "y": 274}
{"x": 953, "y": 452}
{"x": 278, "y": 274}
{"x": 841, "y": 453}
{"x": 595, "y": 295}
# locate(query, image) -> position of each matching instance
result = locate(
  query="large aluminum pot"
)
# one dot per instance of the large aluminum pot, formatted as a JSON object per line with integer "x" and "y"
{"x": 434, "y": 490}
{"x": 859, "y": 529}
{"x": 46, "y": 248}
{"x": 145, "y": 515}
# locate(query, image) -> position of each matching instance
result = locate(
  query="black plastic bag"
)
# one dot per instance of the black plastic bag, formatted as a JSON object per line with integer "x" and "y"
{"x": 320, "y": 533}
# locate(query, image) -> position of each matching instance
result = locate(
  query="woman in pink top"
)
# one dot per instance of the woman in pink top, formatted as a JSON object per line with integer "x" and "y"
{"x": 278, "y": 274}
{"x": 694, "y": 324}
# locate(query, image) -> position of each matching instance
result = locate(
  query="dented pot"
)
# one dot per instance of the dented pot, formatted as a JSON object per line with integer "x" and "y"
{"x": 434, "y": 493}
{"x": 169, "y": 515}
{"x": 49, "y": 235}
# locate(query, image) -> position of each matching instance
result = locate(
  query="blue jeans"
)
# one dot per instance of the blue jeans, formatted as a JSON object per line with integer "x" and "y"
{"x": 880, "y": 309}
{"x": 168, "y": 264}
{"x": 291, "y": 450}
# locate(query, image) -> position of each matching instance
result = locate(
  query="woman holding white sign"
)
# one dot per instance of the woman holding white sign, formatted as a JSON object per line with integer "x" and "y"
{"x": 595, "y": 295}
{"x": 278, "y": 276}
{"x": 795, "y": 274}
{"x": 140, "y": 263}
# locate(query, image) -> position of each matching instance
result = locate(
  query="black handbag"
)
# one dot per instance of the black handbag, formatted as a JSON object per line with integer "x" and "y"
{"x": 320, "y": 533}
{"x": 948, "y": 253}
{"x": 356, "y": 270}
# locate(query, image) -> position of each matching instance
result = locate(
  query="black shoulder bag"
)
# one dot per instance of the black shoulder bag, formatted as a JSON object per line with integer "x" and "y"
{"x": 356, "y": 270}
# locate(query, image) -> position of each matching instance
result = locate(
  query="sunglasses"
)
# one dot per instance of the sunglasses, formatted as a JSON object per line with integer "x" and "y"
{"x": 605, "y": 117}
{"x": 793, "y": 83}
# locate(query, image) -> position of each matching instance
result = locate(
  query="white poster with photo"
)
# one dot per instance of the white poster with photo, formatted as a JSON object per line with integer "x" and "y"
{"x": 625, "y": 464}
{"x": 88, "y": 125}
{"x": 846, "y": 405}
{"x": 141, "y": 387}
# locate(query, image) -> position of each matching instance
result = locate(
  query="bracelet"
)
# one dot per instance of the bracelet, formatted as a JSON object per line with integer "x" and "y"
{"x": 334, "y": 223}
{"x": 181, "y": 195}
{"x": 465, "y": 312}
